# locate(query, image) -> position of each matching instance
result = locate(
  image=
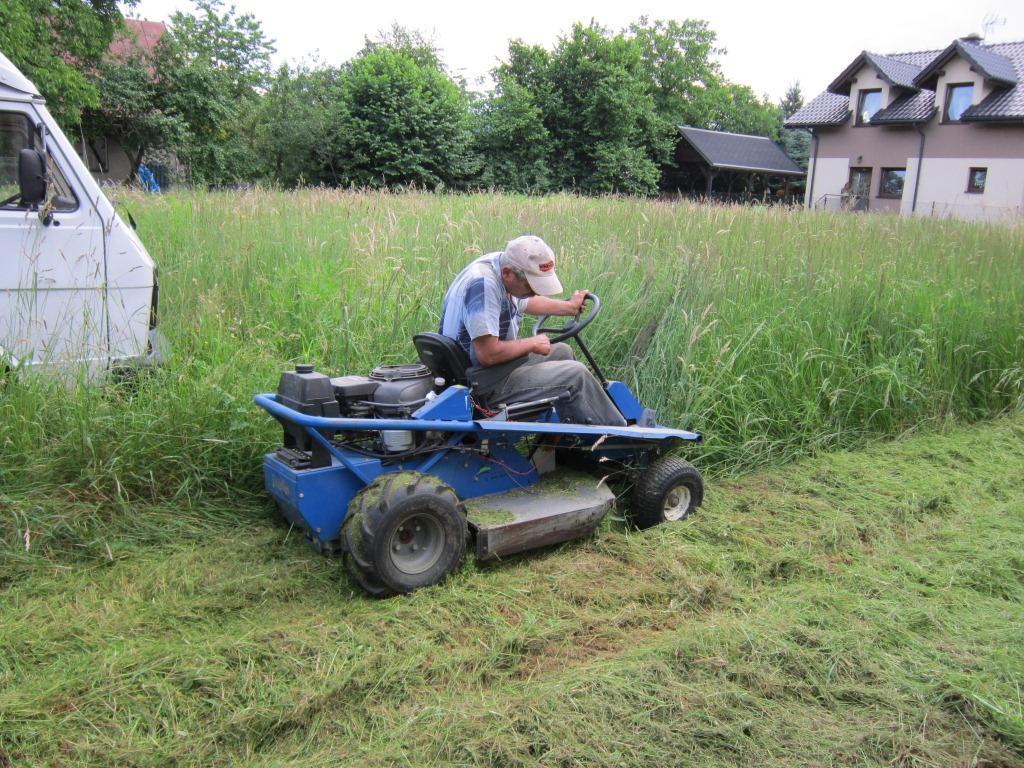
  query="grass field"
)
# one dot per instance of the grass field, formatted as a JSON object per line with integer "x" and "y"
{"x": 847, "y": 609}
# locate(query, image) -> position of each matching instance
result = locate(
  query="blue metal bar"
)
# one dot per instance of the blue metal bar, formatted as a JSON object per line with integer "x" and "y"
{"x": 270, "y": 404}
{"x": 540, "y": 428}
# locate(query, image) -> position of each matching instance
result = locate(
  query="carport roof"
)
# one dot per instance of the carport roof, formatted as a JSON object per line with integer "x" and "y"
{"x": 739, "y": 152}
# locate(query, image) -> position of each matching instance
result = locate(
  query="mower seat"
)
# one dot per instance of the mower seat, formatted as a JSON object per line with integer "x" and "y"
{"x": 443, "y": 356}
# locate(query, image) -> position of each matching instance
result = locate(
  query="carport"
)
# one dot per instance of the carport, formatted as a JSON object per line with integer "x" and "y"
{"x": 708, "y": 155}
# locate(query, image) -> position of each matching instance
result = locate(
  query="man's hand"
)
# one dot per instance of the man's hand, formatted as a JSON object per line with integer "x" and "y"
{"x": 490, "y": 350}
{"x": 576, "y": 301}
{"x": 541, "y": 344}
{"x": 542, "y": 305}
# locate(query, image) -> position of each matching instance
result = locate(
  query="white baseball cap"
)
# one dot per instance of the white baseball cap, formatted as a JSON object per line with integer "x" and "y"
{"x": 537, "y": 261}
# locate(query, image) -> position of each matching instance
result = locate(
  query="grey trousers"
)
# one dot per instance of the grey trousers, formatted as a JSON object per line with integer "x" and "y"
{"x": 556, "y": 374}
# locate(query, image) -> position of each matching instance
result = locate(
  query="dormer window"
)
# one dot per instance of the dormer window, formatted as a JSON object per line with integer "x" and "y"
{"x": 958, "y": 100}
{"x": 868, "y": 104}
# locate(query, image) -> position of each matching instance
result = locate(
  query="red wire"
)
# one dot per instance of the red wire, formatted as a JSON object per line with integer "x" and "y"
{"x": 507, "y": 468}
{"x": 485, "y": 411}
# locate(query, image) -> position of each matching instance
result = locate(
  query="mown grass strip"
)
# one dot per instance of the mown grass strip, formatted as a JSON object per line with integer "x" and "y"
{"x": 854, "y": 609}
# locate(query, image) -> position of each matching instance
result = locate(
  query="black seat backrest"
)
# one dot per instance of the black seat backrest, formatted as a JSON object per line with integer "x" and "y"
{"x": 443, "y": 356}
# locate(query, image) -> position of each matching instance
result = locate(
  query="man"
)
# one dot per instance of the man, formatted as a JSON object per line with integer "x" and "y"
{"x": 481, "y": 311}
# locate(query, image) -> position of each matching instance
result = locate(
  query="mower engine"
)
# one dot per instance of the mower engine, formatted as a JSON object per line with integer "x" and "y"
{"x": 389, "y": 392}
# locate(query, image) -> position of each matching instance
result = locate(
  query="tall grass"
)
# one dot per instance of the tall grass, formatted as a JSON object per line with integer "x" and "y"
{"x": 774, "y": 332}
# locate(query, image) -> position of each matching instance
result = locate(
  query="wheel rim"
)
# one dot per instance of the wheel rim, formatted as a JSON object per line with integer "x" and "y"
{"x": 416, "y": 544}
{"x": 677, "y": 502}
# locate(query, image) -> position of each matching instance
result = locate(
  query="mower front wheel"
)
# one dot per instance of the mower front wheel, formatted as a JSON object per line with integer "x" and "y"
{"x": 404, "y": 531}
{"x": 667, "y": 491}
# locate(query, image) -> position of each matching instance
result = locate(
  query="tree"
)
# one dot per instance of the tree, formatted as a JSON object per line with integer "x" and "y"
{"x": 292, "y": 123}
{"x": 411, "y": 42}
{"x": 231, "y": 44}
{"x": 599, "y": 112}
{"x": 510, "y": 136}
{"x": 680, "y": 67}
{"x": 596, "y": 107}
{"x": 737, "y": 109}
{"x": 56, "y": 45}
{"x": 797, "y": 142}
{"x": 209, "y": 69}
{"x": 132, "y": 107}
{"x": 792, "y": 102}
{"x": 397, "y": 122}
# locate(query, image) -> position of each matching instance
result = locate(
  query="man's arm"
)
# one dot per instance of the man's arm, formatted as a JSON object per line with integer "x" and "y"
{"x": 542, "y": 305}
{"x": 490, "y": 350}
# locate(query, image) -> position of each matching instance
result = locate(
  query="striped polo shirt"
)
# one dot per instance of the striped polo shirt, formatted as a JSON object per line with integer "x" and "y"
{"x": 477, "y": 304}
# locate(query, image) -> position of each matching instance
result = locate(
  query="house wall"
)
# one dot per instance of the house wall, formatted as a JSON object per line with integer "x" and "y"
{"x": 864, "y": 146}
{"x": 828, "y": 174}
{"x": 958, "y": 70}
{"x": 115, "y": 158}
{"x": 943, "y": 188}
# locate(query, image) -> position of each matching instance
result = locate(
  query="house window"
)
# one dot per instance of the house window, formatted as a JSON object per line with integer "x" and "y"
{"x": 891, "y": 184}
{"x": 857, "y": 190}
{"x": 958, "y": 100}
{"x": 15, "y": 135}
{"x": 867, "y": 105}
{"x": 976, "y": 180}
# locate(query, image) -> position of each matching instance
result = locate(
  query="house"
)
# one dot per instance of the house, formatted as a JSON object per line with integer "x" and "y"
{"x": 703, "y": 156}
{"x": 104, "y": 156}
{"x": 937, "y": 133}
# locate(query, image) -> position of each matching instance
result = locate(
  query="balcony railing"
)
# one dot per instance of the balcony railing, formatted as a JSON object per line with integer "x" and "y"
{"x": 844, "y": 202}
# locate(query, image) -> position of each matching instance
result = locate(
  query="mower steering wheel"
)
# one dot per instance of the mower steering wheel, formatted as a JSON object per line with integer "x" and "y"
{"x": 573, "y": 327}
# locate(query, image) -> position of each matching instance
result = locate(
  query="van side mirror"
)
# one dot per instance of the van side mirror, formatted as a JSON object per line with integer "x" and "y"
{"x": 32, "y": 176}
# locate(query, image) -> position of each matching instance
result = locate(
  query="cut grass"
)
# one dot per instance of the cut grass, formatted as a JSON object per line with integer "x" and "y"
{"x": 854, "y": 609}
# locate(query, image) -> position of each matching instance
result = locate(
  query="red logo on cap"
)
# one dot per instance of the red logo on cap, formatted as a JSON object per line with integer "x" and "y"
{"x": 546, "y": 266}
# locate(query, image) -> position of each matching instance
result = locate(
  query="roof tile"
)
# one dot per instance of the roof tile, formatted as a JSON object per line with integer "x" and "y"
{"x": 826, "y": 109}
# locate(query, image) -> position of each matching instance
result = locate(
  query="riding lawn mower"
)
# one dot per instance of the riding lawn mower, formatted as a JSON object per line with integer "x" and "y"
{"x": 399, "y": 471}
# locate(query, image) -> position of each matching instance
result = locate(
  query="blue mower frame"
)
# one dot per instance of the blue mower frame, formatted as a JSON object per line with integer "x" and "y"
{"x": 466, "y": 455}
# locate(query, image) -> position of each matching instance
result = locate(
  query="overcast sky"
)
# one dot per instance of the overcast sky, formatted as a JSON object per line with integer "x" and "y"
{"x": 770, "y": 45}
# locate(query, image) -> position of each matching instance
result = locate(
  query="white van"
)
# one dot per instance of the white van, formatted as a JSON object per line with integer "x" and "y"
{"x": 76, "y": 284}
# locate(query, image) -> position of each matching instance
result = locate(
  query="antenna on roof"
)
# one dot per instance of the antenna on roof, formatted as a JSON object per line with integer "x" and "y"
{"x": 991, "y": 20}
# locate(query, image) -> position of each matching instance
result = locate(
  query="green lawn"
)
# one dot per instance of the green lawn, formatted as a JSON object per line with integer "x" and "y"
{"x": 861, "y": 608}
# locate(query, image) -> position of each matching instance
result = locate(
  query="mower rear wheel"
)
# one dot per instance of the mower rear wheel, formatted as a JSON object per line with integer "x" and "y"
{"x": 404, "y": 531}
{"x": 667, "y": 491}
{"x": 370, "y": 584}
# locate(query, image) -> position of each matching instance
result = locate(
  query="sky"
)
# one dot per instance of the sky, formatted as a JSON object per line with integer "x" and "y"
{"x": 769, "y": 45}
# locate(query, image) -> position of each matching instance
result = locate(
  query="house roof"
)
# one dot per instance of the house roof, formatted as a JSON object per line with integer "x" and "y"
{"x": 739, "y": 152}
{"x": 1002, "y": 65}
{"x": 894, "y": 71}
{"x": 914, "y": 107}
{"x": 824, "y": 109}
{"x": 139, "y": 36}
{"x": 991, "y": 65}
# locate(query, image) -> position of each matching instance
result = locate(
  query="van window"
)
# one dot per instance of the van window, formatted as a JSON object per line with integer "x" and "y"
{"x": 14, "y": 136}
{"x": 61, "y": 196}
